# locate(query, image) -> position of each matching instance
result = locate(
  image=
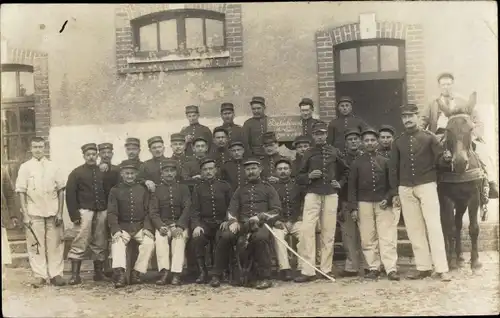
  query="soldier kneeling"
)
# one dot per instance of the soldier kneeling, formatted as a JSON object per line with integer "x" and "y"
{"x": 251, "y": 205}
{"x": 128, "y": 218}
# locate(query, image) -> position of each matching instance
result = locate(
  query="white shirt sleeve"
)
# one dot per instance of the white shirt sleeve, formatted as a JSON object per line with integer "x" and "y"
{"x": 22, "y": 179}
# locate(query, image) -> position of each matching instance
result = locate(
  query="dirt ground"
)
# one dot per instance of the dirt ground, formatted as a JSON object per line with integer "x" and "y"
{"x": 469, "y": 293}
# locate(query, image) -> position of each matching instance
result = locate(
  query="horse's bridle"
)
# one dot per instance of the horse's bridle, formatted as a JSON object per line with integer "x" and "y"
{"x": 445, "y": 133}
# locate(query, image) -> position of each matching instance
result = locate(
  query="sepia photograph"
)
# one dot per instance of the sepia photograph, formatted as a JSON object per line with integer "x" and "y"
{"x": 252, "y": 159}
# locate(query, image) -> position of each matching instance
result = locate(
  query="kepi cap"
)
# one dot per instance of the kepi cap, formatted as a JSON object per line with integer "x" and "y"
{"x": 345, "y": 99}
{"x": 409, "y": 109}
{"x": 281, "y": 160}
{"x": 219, "y": 129}
{"x": 352, "y": 131}
{"x": 177, "y": 137}
{"x": 200, "y": 138}
{"x": 129, "y": 164}
{"x": 319, "y": 126}
{"x": 251, "y": 160}
{"x": 445, "y": 75}
{"x": 89, "y": 146}
{"x": 258, "y": 100}
{"x": 105, "y": 145}
{"x": 269, "y": 138}
{"x": 226, "y": 106}
{"x": 166, "y": 163}
{"x": 236, "y": 143}
{"x": 133, "y": 141}
{"x": 192, "y": 109}
{"x": 302, "y": 139}
{"x": 369, "y": 131}
{"x": 206, "y": 160}
{"x": 154, "y": 139}
{"x": 388, "y": 128}
{"x": 306, "y": 101}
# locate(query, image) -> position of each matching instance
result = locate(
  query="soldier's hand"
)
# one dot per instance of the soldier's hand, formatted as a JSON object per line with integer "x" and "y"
{"x": 77, "y": 222}
{"x": 177, "y": 232}
{"x": 150, "y": 185}
{"x": 15, "y": 221}
{"x": 289, "y": 226}
{"x": 189, "y": 138}
{"x": 148, "y": 234}
{"x": 197, "y": 231}
{"x": 27, "y": 221}
{"x": 224, "y": 225}
{"x": 118, "y": 235}
{"x": 396, "y": 202}
{"x": 254, "y": 219}
{"x": 383, "y": 204}
{"x": 104, "y": 167}
{"x": 315, "y": 174}
{"x": 164, "y": 231}
{"x": 58, "y": 219}
{"x": 354, "y": 215}
{"x": 273, "y": 179}
{"x": 279, "y": 225}
{"x": 447, "y": 155}
{"x": 234, "y": 227}
{"x": 335, "y": 184}
{"x": 197, "y": 177}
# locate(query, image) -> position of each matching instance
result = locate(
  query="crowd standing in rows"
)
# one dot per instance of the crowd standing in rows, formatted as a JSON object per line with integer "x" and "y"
{"x": 221, "y": 187}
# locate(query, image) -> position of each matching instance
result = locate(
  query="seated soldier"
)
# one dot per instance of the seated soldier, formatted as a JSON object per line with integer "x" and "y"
{"x": 272, "y": 155}
{"x": 170, "y": 216}
{"x": 251, "y": 205}
{"x": 291, "y": 195}
{"x": 128, "y": 218}
{"x": 211, "y": 199}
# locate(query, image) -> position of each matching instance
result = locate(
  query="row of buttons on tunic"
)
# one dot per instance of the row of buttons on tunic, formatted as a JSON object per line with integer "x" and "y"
{"x": 411, "y": 157}
{"x": 373, "y": 172}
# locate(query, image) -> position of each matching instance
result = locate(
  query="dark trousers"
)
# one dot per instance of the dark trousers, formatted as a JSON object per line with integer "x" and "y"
{"x": 211, "y": 233}
{"x": 255, "y": 249}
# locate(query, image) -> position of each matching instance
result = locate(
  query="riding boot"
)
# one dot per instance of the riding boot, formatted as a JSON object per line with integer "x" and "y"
{"x": 164, "y": 276}
{"x": 135, "y": 277}
{"x": 98, "y": 271}
{"x": 176, "y": 279}
{"x": 75, "y": 272}
{"x": 202, "y": 278}
{"x": 120, "y": 277}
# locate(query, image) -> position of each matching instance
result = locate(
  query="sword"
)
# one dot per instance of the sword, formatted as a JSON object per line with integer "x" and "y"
{"x": 37, "y": 242}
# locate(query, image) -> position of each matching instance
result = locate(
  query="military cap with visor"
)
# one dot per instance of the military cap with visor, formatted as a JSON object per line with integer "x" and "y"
{"x": 281, "y": 160}
{"x": 269, "y": 138}
{"x": 306, "y": 101}
{"x": 129, "y": 164}
{"x": 352, "y": 131}
{"x": 236, "y": 143}
{"x": 177, "y": 137}
{"x": 409, "y": 109}
{"x": 258, "y": 100}
{"x": 168, "y": 163}
{"x": 105, "y": 145}
{"x": 133, "y": 141}
{"x": 251, "y": 161}
{"x": 206, "y": 160}
{"x": 226, "y": 106}
{"x": 388, "y": 128}
{"x": 319, "y": 126}
{"x": 154, "y": 139}
{"x": 89, "y": 146}
{"x": 302, "y": 139}
{"x": 345, "y": 99}
{"x": 369, "y": 131}
{"x": 192, "y": 109}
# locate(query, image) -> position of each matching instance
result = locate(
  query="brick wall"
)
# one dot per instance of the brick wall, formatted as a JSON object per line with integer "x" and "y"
{"x": 39, "y": 61}
{"x": 414, "y": 49}
{"x": 125, "y": 45}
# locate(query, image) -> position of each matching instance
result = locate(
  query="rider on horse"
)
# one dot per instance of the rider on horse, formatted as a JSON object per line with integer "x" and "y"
{"x": 435, "y": 118}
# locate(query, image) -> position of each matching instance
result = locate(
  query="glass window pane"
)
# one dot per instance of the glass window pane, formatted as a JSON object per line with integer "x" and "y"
{"x": 215, "y": 32}
{"x": 27, "y": 116}
{"x": 9, "y": 120}
{"x": 9, "y": 84}
{"x": 148, "y": 38}
{"x": 389, "y": 58}
{"x": 194, "y": 33}
{"x": 168, "y": 35}
{"x": 368, "y": 59}
{"x": 26, "y": 84}
{"x": 25, "y": 150}
{"x": 348, "y": 61}
{"x": 10, "y": 147}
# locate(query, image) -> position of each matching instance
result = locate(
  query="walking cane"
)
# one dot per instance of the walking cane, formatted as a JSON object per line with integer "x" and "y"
{"x": 296, "y": 254}
{"x": 37, "y": 242}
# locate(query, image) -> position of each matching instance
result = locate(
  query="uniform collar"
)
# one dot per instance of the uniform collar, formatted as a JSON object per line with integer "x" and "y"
{"x": 259, "y": 118}
{"x": 254, "y": 181}
{"x": 340, "y": 115}
{"x": 287, "y": 180}
{"x": 169, "y": 183}
{"x": 162, "y": 157}
{"x": 412, "y": 131}
{"x": 195, "y": 124}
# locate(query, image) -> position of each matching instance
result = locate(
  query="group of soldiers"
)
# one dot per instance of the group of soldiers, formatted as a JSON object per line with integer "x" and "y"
{"x": 232, "y": 189}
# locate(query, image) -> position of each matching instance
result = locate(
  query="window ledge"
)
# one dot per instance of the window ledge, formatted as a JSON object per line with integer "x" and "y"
{"x": 175, "y": 58}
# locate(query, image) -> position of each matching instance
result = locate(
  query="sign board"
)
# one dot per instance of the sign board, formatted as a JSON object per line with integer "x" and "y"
{"x": 367, "y": 26}
{"x": 286, "y": 128}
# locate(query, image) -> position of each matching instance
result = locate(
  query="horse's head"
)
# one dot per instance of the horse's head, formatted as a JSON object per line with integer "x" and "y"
{"x": 458, "y": 138}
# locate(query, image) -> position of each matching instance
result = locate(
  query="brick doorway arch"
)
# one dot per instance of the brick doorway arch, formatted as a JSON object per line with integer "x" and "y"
{"x": 326, "y": 40}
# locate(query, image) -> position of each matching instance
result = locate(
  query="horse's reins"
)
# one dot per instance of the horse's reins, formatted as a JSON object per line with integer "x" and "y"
{"x": 445, "y": 136}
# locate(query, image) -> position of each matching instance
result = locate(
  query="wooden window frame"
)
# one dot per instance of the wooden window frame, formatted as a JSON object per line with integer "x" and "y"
{"x": 366, "y": 76}
{"x": 180, "y": 16}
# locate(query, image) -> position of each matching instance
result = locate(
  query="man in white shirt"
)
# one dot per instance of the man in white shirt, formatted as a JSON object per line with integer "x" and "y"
{"x": 435, "y": 118}
{"x": 41, "y": 193}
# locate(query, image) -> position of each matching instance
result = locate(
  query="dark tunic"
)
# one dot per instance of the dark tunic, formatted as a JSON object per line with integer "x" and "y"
{"x": 151, "y": 169}
{"x": 307, "y": 125}
{"x": 210, "y": 201}
{"x": 234, "y": 131}
{"x": 386, "y": 152}
{"x": 171, "y": 204}
{"x": 233, "y": 172}
{"x": 128, "y": 208}
{"x": 253, "y": 198}
{"x": 328, "y": 160}
{"x": 369, "y": 179}
{"x": 348, "y": 157}
{"x": 291, "y": 195}
{"x": 253, "y": 129}
{"x": 196, "y": 130}
{"x": 296, "y": 165}
{"x": 186, "y": 167}
{"x": 414, "y": 158}
{"x": 338, "y": 126}
{"x": 268, "y": 165}
{"x": 87, "y": 188}
{"x": 220, "y": 154}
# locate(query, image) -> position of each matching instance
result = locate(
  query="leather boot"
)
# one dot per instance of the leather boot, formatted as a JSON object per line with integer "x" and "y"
{"x": 419, "y": 275}
{"x": 163, "y": 280}
{"x": 98, "y": 271}
{"x": 373, "y": 274}
{"x": 57, "y": 281}
{"x": 202, "y": 278}
{"x": 121, "y": 279}
{"x": 176, "y": 279}
{"x": 215, "y": 282}
{"x": 263, "y": 284}
{"x": 135, "y": 277}
{"x": 286, "y": 275}
{"x": 75, "y": 272}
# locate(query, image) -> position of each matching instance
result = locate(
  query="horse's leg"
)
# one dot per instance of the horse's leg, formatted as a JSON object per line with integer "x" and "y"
{"x": 473, "y": 206}
{"x": 460, "y": 208}
{"x": 447, "y": 223}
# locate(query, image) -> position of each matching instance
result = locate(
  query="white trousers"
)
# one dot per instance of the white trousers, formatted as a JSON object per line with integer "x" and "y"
{"x": 281, "y": 250}
{"x": 483, "y": 153}
{"x": 119, "y": 251}
{"x": 176, "y": 245}
{"x": 379, "y": 235}
{"x": 322, "y": 208}
{"x": 421, "y": 212}
{"x": 93, "y": 233}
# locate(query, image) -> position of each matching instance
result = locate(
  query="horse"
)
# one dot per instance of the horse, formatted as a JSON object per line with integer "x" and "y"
{"x": 460, "y": 186}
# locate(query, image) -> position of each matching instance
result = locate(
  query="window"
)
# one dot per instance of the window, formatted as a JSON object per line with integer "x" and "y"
{"x": 179, "y": 32}
{"x": 370, "y": 59}
{"x": 17, "y": 81}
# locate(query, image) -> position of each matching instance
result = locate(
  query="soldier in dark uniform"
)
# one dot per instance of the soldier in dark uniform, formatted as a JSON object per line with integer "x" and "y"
{"x": 219, "y": 151}
{"x": 306, "y": 106}
{"x": 350, "y": 232}
{"x": 290, "y": 221}
{"x": 345, "y": 120}
{"x": 370, "y": 200}
{"x": 170, "y": 213}
{"x": 301, "y": 144}
{"x": 185, "y": 163}
{"x": 128, "y": 218}
{"x": 210, "y": 201}
{"x": 152, "y": 167}
{"x": 385, "y": 138}
{"x": 87, "y": 202}
{"x": 195, "y": 129}
{"x": 254, "y": 128}
{"x": 272, "y": 155}
{"x": 235, "y": 132}
{"x": 255, "y": 202}
{"x": 133, "y": 149}
{"x": 233, "y": 171}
